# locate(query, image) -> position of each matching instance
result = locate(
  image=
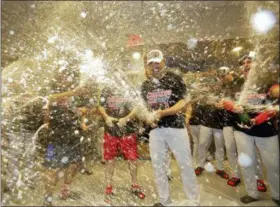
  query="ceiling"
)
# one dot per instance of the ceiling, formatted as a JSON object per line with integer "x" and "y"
{"x": 38, "y": 29}
{"x": 30, "y": 28}
{"x": 27, "y": 26}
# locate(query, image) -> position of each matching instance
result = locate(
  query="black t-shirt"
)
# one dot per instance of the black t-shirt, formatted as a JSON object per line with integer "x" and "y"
{"x": 197, "y": 115}
{"x": 231, "y": 91}
{"x": 210, "y": 115}
{"x": 242, "y": 121}
{"x": 165, "y": 93}
{"x": 117, "y": 105}
{"x": 64, "y": 123}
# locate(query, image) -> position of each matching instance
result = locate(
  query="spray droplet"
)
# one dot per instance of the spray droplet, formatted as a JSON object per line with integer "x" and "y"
{"x": 49, "y": 199}
{"x": 52, "y": 39}
{"x": 64, "y": 160}
{"x": 83, "y": 14}
{"x": 170, "y": 27}
{"x": 263, "y": 21}
{"x": 136, "y": 55}
{"x": 191, "y": 43}
{"x": 60, "y": 174}
{"x": 209, "y": 167}
{"x": 91, "y": 100}
{"x": 244, "y": 160}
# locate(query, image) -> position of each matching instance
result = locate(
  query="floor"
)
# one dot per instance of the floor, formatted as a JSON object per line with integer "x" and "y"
{"x": 89, "y": 189}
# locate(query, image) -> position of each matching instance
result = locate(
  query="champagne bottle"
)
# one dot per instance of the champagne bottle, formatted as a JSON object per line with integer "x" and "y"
{"x": 244, "y": 118}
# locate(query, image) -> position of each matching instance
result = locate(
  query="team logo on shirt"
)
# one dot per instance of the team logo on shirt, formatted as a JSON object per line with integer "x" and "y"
{"x": 256, "y": 99}
{"x": 159, "y": 97}
{"x": 115, "y": 102}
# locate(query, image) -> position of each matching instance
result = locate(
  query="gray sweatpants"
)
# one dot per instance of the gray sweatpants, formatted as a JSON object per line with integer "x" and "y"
{"x": 204, "y": 143}
{"x": 195, "y": 129}
{"x": 232, "y": 155}
{"x": 231, "y": 151}
{"x": 177, "y": 140}
{"x": 269, "y": 151}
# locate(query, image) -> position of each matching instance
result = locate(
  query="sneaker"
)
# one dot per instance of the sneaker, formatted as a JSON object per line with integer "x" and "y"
{"x": 222, "y": 174}
{"x": 261, "y": 186}
{"x": 248, "y": 199}
{"x": 233, "y": 181}
{"x": 198, "y": 171}
{"x": 158, "y": 204}
{"x": 136, "y": 190}
{"x": 109, "y": 190}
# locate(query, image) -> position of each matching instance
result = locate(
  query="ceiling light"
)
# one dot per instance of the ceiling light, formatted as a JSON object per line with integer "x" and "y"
{"x": 237, "y": 49}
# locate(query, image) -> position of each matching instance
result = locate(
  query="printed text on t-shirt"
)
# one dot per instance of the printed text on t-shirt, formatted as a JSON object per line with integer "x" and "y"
{"x": 159, "y": 96}
{"x": 116, "y": 102}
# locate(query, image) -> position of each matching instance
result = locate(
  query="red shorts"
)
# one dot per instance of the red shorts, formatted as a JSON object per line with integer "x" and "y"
{"x": 127, "y": 144}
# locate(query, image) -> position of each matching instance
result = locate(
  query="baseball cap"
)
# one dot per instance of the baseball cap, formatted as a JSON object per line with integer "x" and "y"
{"x": 243, "y": 58}
{"x": 223, "y": 70}
{"x": 154, "y": 56}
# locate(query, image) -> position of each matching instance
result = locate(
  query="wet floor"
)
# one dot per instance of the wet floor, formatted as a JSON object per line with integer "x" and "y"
{"x": 89, "y": 189}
